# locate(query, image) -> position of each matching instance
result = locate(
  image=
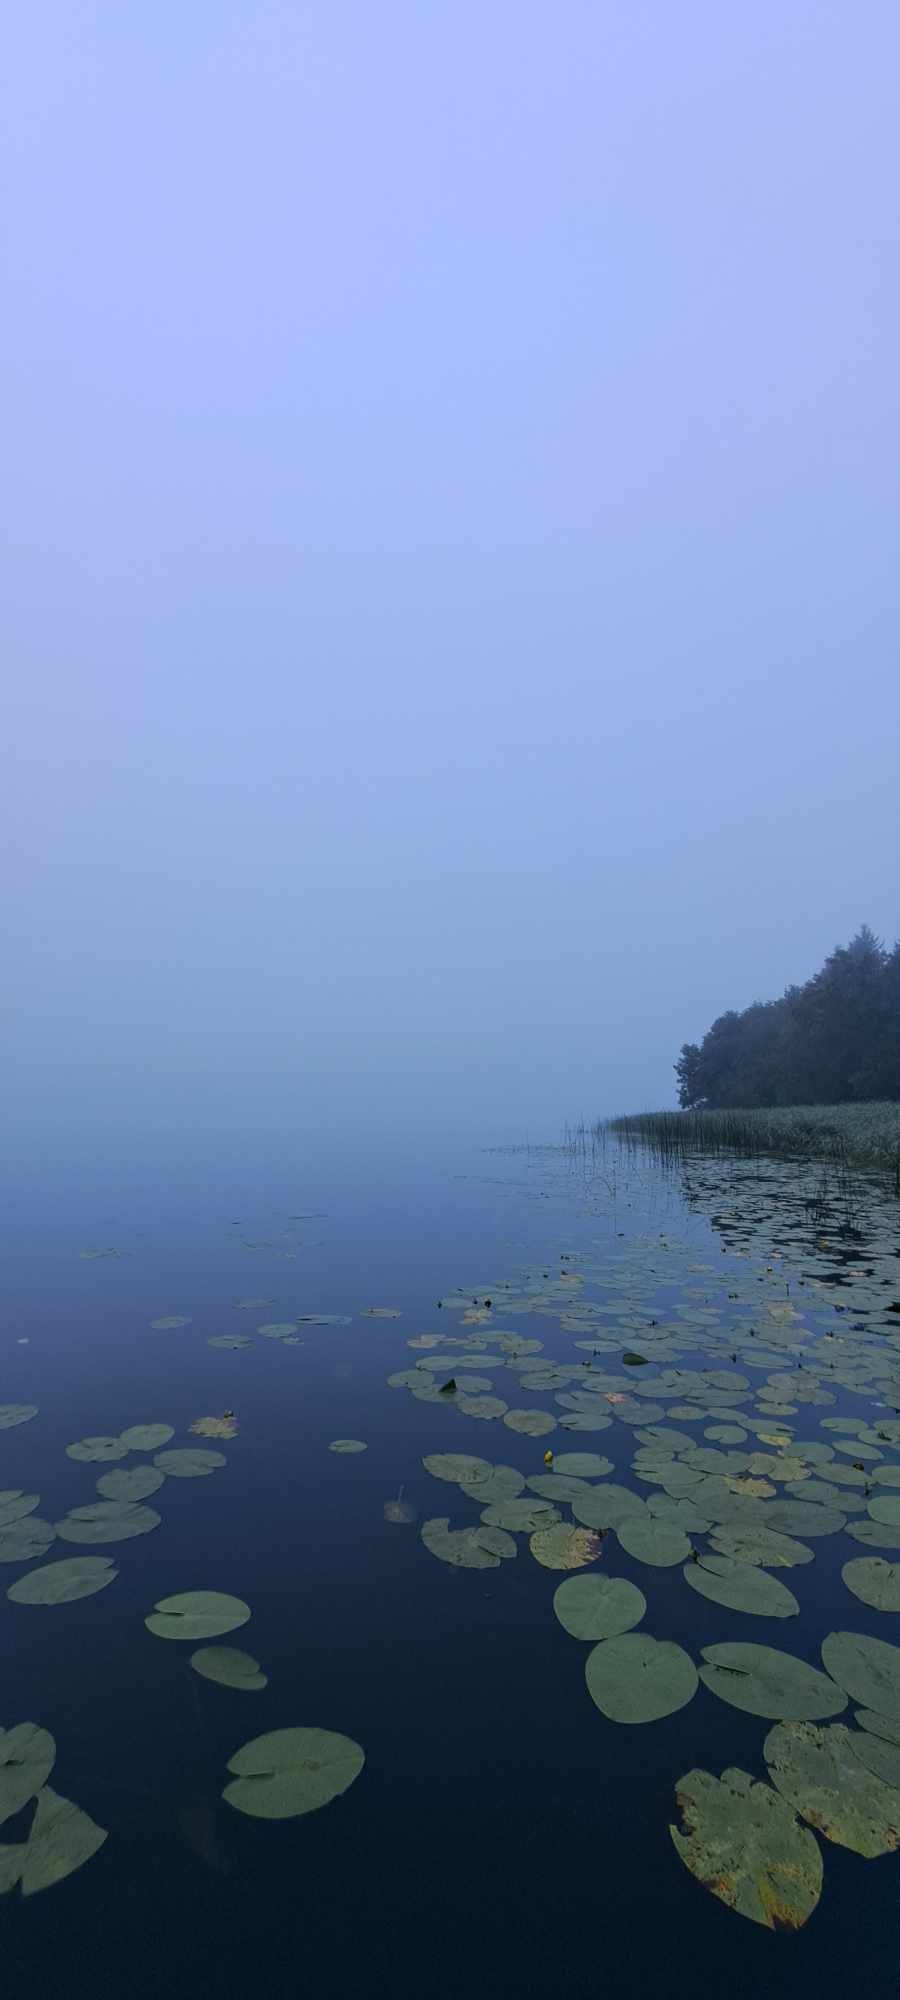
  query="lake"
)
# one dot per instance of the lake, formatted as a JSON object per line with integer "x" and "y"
{"x": 505, "y": 1834}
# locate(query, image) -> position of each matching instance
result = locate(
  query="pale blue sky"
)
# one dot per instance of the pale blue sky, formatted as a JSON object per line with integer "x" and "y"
{"x": 451, "y": 493}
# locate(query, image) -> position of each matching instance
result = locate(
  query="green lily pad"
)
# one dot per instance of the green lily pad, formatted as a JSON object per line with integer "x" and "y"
{"x": 347, "y": 1444}
{"x": 146, "y": 1437}
{"x": 197, "y": 1614}
{"x": 171, "y": 1320}
{"x": 12, "y": 1414}
{"x": 740, "y": 1587}
{"x": 27, "y": 1757}
{"x": 14, "y": 1505}
{"x": 520, "y": 1517}
{"x": 97, "y": 1450}
{"x": 869, "y": 1669}
{"x": 874, "y": 1534}
{"x": 607, "y": 1506}
{"x": 229, "y": 1667}
{"x": 660, "y": 1543}
{"x": 818, "y": 1772}
{"x": 880, "y": 1725}
{"x": 292, "y": 1771}
{"x": 62, "y": 1838}
{"x": 25, "y": 1540}
{"x": 530, "y": 1423}
{"x": 188, "y": 1463}
{"x": 108, "y": 1521}
{"x": 762, "y": 1681}
{"x": 743, "y": 1843}
{"x": 457, "y": 1466}
{"x": 598, "y": 1607}
{"x": 484, "y": 1407}
{"x": 558, "y": 1487}
{"x": 638, "y": 1679}
{"x": 64, "y": 1582}
{"x": 505, "y": 1483}
{"x": 582, "y": 1464}
{"x": 763, "y": 1547}
{"x": 136, "y": 1485}
{"x": 879, "y": 1756}
{"x": 874, "y": 1582}
{"x": 462, "y": 1548}
{"x": 886, "y": 1507}
{"x": 562, "y": 1547}
{"x": 227, "y": 1340}
{"x": 497, "y": 1541}
{"x": 677, "y": 1513}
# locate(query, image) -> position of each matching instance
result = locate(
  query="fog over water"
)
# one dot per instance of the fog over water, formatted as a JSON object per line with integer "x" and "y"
{"x": 451, "y": 586}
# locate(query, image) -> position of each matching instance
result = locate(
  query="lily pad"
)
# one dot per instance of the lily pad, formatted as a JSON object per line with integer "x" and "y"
{"x": 886, "y": 1507}
{"x": 879, "y": 1725}
{"x": 146, "y": 1437}
{"x": 869, "y": 1669}
{"x": 62, "y": 1838}
{"x": 25, "y": 1540}
{"x": 874, "y": 1582}
{"x": 598, "y": 1607}
{"x": 740, "y": 1587}
{"x": 292, "y": 1771}
{"x": 347, "y": 1444}
{"x": 229, "y": 1667}
{"x": 530, "y": 1423}
{"x": 558, "y": 1487}
{"x": 457, "y": 1466}
{"x": 215, "y": 1427}
{"x": 651, "y": 1541}
{"x": 582, "y": 1464}
{"x": 638, "y": 1679}
{"x": 98, "y": 1450}
{"x": 763, "y": 1681}
{"x": 64, "y": 1582}
{"x": 879, "y": 1756}
{"x": 14, "y": 1505}
{"x": 136, "y": 1485}
{"x": 520, "y": 1517}
{"x": 561, "y": 1547}
{"x": 607, "y": 1506}
{"x": 505, "y": 1483}
{"x": 12, "y": 1414}
{"x": 197, "y": 1614}
{"x": 818, "y": 1772}
{"x": 171, "y": 1320}
{"x": 484, "y": 1407}
{"x": 108, "y": 1521}
{"x": 743, "y": 1843}
{"x": 189, "y": 1462}
{"x": 227, "y": 1340}
{"x": 27, "y": 1757}
{"x": 460, "y": 1547}
{"x": 763, "y": 1547}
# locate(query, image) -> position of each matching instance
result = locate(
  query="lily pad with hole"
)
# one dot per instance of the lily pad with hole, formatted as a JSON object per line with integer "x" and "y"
{"x": 562, "y": 1547}
{"x": 228, "y": 1666}
{"x": 818, "y": 1771}
{"x": 638, "y": 1679}
{"x": 146, "y": 1437}
{"x": 647, "y": 1540}
{"x": 108, "y": 1521}
{"x": 64, "y": 1582}
{"x": 189, "y": 1462}
{"x": 598, "y": 1607}
{"x": 347, "y": 1445}
{"x": 197, "y": 1614}
{"x": 25, "y": 1540}
{"x": 743, "y": 1843}
{"x": 135, "y": 1485}
{"x": 97, "y": 1450}
{"x": 740, "y": 1586}
{"x": 762, "y": 1681}
{"x": 874, "y": 1581}
{"x": 868, "y": 1669}
{"x": 27, "y": 1757}
{"x": 62, "y": 1838}
{"x": 292, "y": 1771}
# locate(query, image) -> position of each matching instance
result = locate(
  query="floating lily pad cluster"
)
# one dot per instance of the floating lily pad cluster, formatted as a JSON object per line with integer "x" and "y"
{"x": 60, "y": 1837}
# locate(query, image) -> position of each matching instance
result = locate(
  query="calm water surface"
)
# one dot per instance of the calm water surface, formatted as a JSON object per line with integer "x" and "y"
{"x": 504, "y": 1838}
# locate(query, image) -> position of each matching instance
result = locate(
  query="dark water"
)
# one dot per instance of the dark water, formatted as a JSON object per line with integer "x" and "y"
{"x": 504, "y": 1838}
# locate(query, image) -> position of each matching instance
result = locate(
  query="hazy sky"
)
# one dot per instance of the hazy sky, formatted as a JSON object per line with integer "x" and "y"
{"x": 451, "y": 510}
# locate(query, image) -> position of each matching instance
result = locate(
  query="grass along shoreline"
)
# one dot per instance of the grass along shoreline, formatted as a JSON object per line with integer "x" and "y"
{"x": 862, "y": 1135}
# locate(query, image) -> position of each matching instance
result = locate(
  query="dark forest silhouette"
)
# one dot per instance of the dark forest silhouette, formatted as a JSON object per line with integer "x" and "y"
{"x": 835, "y": 1040}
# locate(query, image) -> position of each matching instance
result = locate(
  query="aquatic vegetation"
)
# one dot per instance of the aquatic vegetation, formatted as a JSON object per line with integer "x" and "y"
{"x": 634, "y": 1678}
{"x": 598, "y": 1607}
{"x": 108, "y": 1521}
{"x": 27, "y": 1757}
{"x": 197, "y": 1614}
{"x": 171, "y": 1322}
{"x": 744, "y": 1844}
{"x": 13, "y": 1414}
{"x": 818, "y": 1771}
{"x": 185, "y": 1463}
{"x": 292, "y": 1771}
{"x": 62, "y": 1838}
{"x": 763, "y": 1681}
{"x": 215, "y": 1427}
{"x": 347, "y": 1445}
{"x": 64, "y": 1582}
{"x": 868, "y": 1669}
{"x": 229, "y": 1667}
{"x": 874, "y": 1582}
{"x": 561, "y": 1547}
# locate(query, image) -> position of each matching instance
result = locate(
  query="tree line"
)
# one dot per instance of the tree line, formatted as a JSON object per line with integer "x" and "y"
{"x": 834, "y": 1040}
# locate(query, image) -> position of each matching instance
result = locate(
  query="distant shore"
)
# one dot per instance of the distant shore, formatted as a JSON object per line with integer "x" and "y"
{"x": 861, "y": 1135}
